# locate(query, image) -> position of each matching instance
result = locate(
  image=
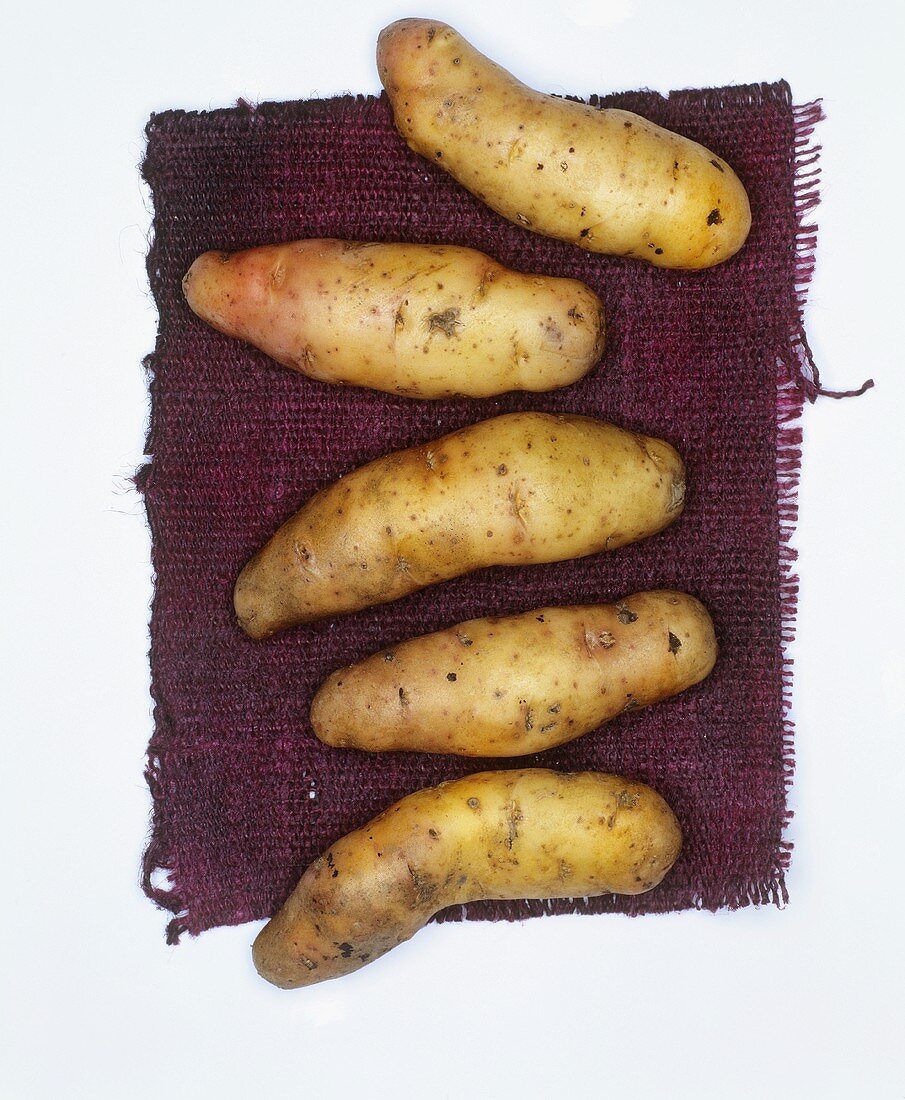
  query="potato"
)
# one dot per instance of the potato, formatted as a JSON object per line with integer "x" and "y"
{"x": 421, "y": 320}
{"x": 520, "y": 684}
{"x": 497, "y": 835}
{"x": 518, "y": 489}
{"x": 606, "y": 180}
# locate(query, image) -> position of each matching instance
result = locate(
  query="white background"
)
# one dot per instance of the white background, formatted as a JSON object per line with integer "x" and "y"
{"x": 800, "y": 1003}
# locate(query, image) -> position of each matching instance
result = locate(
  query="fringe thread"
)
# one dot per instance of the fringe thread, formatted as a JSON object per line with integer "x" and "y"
{"x": 790, "y": 383}
{"x": 807, "y": 196}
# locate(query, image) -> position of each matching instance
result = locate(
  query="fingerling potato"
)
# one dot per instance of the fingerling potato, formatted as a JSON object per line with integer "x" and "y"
{"x": 519, "y": 684}
{"x": 605, "y": 180}
{"x": 426, "y": 321}
{"x": 518, "y": 489}
{"x": 496, "y": 835}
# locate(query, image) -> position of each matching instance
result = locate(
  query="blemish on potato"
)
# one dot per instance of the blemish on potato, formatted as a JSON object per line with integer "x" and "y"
{"x": 714, "y": 217}
{"x": 674, "y": 643}
{"x": 625, "y": 615}
{"x": 424, "y": 886}
{"x": 516, "y": 149}
{"x": 473, "y": 804}
{"x": 518, "y": 505}
{"x": 451, "y": 676}
{"x": 446, "y": 322}
{"x": 553, "y": 332}
{"x": 594, "y": 639}
{"x": 487, "y": 277}
{"x": 513, "y": 817}
{"x": 403, "y": 697}
{"x": 676, "y": 493}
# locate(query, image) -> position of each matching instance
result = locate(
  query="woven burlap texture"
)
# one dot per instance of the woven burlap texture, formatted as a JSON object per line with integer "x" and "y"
{"x": 244, "y": 796}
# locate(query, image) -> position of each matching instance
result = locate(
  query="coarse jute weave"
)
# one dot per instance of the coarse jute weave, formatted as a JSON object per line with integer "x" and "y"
{"x": 715, "y": 362}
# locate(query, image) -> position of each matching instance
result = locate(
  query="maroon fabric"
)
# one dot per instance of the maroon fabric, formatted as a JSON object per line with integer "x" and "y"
{"x": 243, "y": 795}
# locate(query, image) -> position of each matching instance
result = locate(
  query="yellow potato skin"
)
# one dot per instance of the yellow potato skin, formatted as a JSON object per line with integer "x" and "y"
{"x": 426, "y": 321}
{"x": 520, "y": 684}
{"x": 496, "y": 835}
{"x": 518, "y": 489}
{"x": 605, "y": 180}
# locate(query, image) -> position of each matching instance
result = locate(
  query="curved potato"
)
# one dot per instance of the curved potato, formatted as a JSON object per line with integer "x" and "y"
{"x": 520, "y": 684}
{"x": 421, "y": 320}
{"x": 496, "y": 835}
{"x": 515, "y": 490}
{"x": 605, "y": 180}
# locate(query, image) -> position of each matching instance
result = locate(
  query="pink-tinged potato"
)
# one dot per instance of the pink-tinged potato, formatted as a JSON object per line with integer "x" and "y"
{"x": 605, "y": 180}
{"x": 493, "y": 836}
{"x": 519, "y": 684}
{"x": 426, "y": 321}
{"x": 518, "y": 489}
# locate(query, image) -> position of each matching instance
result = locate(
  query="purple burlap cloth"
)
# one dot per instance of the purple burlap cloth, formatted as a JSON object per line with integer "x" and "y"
{"x": 244, "y": 796}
